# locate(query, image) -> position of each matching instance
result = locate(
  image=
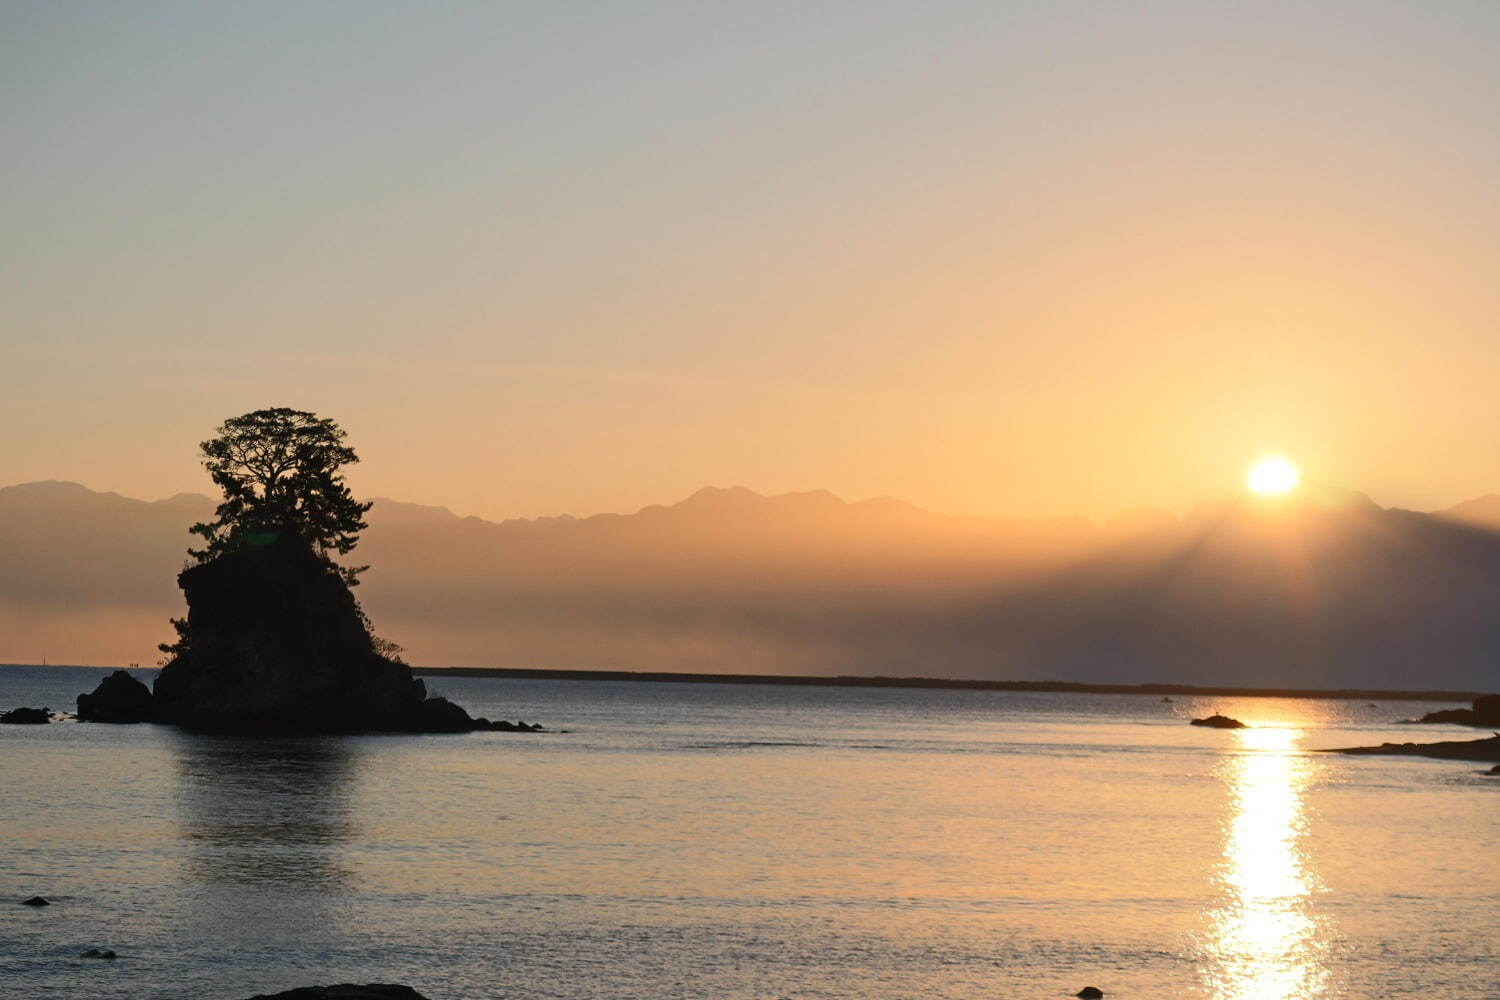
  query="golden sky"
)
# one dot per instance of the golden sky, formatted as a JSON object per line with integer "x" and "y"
{"x": 999, "y": 259}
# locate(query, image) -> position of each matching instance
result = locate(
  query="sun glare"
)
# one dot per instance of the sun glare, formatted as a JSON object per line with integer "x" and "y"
{"x": 1272, "y": 476}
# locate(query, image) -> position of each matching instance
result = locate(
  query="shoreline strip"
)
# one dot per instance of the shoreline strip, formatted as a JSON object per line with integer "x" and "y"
{"x": 942, "y": 683}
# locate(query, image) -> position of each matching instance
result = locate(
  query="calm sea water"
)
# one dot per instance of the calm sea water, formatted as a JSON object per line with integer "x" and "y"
{"x": 707, "y": 841}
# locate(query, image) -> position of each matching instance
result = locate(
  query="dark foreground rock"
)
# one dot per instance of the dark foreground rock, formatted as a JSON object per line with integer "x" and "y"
{"x": 26, "y": 717}
{"x": 274, "y": 641}
{"x": 1482, "y": 750}
{"x": 108, "y": 954}
{"x": 1484, "y": 713}
{"x": 345, "y": 991}
{"x": 119, "y": 698}
{"x": 439, "y": 715}
{"x": 1219, "y": 722}
{"x": 35, "y": 901}
{"x": 1089, "y": 993}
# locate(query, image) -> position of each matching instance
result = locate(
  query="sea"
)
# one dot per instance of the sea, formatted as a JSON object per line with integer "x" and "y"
{"x": 753, "y": 841}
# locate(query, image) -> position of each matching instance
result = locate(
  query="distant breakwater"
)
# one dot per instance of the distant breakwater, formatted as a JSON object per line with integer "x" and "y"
{"x": 807, "y": 680}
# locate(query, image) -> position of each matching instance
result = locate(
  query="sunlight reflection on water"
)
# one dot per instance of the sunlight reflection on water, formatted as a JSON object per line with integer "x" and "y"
{"x": 1264, "y": 942}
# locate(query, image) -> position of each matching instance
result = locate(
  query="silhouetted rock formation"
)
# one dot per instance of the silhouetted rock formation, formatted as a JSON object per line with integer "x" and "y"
{"x": 345, "y": 991}
{"x": 119, "y": 698}
{"x": 1219, "y": 722}
{"x": 1485, "y": 713}
{"x": 274, "y": 640}
{"x": 439, "y": 715}
{"x": 507, "y": 727}
{"x": 1090, "y": 993}
{"x": 26, "y": 717}
{"x": 104, "y": 953}
{"x": 1485, "y": 750}
{"x": 35, "y": 901}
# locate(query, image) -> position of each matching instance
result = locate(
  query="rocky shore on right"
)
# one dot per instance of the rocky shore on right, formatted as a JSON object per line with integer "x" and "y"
{"x": 1484, "y": 713}
{"x": 1487, "y": 750}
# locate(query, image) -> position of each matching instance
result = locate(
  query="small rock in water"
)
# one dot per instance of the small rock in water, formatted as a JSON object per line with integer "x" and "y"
{"x": 98, "y": 953}
{"x": 119, "y": 698}
{"x": 27, "y": 716}
{"x": 35, "y": 901}
{"x": 1495, "y": 769}
{"x": 502, "y": 726}
{"x": 1219, "y": 722}
{"x": 1089, "y": 993}
{"x": 346, "y": 991}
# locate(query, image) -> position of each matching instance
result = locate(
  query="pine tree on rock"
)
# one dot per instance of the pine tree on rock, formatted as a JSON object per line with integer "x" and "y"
{"x": 273, "y": 638}
{"x": 280, "y": 473}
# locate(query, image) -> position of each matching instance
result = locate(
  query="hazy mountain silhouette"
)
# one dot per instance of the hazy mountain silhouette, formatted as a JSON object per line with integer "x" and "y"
{"x": 1483, "y": 512}
{"x": 1328, "y": 589}
{"x": 84, "y": 576}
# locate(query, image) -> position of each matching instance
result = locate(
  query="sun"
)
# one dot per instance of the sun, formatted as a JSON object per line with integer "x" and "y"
{"x": 1272, "y": 476}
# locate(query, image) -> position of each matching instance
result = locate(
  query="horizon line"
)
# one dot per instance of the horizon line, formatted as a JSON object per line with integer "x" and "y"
{"x": 895, "y": 682}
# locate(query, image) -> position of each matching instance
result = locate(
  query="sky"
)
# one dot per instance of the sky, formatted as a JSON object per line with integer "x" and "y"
{"x": 1021, "y": 259}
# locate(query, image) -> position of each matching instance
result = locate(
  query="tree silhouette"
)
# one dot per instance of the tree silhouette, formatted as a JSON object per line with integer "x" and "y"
{"x": 280, "y": 472}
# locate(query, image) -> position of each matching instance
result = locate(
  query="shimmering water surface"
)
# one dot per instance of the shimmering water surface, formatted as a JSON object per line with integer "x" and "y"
{"x": 759, "y": 841}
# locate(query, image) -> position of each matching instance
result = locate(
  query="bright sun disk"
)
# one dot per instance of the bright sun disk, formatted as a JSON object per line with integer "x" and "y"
{"x": 1272, "y": 476}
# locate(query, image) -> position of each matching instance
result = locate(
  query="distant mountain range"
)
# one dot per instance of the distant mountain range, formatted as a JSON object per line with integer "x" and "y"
{"x": 1327, "y": 589}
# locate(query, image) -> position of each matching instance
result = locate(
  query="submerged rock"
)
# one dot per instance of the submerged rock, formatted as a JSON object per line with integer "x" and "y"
{"x": 35, "y": 901}
{"x": 1219, "y": 722}
{"x": 26, "y": 717}
{"x": 1090, "y": 993}
{"x": 98, "y": 953}
{"x": 119, "y": 698}
{"x": 345, "y": 991}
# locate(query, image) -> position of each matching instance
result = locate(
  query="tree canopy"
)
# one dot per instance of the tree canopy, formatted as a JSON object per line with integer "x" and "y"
{"x": 280, "y": 472}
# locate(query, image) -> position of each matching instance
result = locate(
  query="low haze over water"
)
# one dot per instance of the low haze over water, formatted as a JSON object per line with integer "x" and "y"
{"x": 755, "y": 841}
